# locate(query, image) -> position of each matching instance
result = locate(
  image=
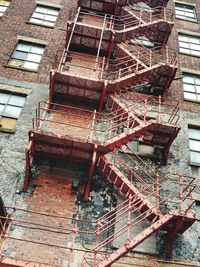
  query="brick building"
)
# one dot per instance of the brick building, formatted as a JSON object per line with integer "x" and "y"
{"x": 98, "y": 143}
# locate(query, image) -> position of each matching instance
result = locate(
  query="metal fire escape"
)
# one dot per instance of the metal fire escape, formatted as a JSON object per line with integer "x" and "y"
{"x": 117, "y": 60}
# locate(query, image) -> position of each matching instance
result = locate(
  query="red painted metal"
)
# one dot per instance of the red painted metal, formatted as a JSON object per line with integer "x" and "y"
{"x": 64, "y": 132}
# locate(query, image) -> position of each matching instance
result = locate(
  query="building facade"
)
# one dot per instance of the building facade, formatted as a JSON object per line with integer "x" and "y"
{"x": 118, "y": 84}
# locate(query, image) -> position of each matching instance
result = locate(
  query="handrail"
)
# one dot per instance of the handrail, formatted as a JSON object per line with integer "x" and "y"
{"x": 127, "y": 21}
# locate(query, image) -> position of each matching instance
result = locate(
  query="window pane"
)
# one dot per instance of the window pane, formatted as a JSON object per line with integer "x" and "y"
{"x": 195, "y": 145}
{"x": 183, "y": 38}
{"x": 41, "y": 10}
{"x": 195, "y": 53}
{"x": 195, "y": 157}
{"x": 16, "y": 100}
{"x": 50, "y": 18}
{"x": 34, "y": 58}
{"x": 38, "y": 21}
{"x": 1, "y": 109}
{"x": 184, "y": 50}
{"x": 198, "y": 89}
{"x": 12, "y": 112}
{"x": 4, "y": 98}
{"x": 197, "y": 80}
{"x": 188, "y": 79}
{"x": 190, "y": 96}
{"x": 38, "y": 15}
{"x": 20, "y": 55}
{"x": 23, "y": 47}
{"x": 184, "y": 45}
{"x": 180, "y": 12}
{"x": 191, "y": 15}
{"x": 194, "y": 133}
{"x": 195, "y": 46}
{"x": 37, "y": 50}
{"x": 194, "y": 40}
{"x": 53, "y": 12}
{"x": 3, "y": 8}
{"x": 189, "y": 87}
{"x": 30, "y": 65}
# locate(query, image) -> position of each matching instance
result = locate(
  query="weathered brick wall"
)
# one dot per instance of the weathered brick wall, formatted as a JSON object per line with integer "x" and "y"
{"x": 14, "y": 22}
{"x": 185, "y": 61}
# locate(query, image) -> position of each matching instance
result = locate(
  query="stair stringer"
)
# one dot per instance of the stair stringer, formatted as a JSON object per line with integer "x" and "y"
{"x": 122, "y": 251}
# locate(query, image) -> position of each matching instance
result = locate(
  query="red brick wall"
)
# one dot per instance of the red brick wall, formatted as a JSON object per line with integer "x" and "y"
{"x": 14, "y": 22}
{"x": 185, "y": 61}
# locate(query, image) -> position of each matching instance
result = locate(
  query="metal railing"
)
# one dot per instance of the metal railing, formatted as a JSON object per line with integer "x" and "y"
{"x": 95, "y": 126}
{"x": 142, "y": 59}
{"x": 146, "y": 106}
{"x": 127, "y": 22}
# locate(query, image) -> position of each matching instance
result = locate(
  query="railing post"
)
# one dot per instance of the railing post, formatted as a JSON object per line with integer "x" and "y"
{"x": 128, "y": 222}
{"x": 97, "y": 242}
{"x": 158, "y": 192}
{"x": 102, "y": 68}
{"x": 145, "y": 110}
{"x": 140, "y": 21}
{"x": 93, "y": 125}
{"x": 181, "y": 191}
{"x": 119, "y": 74}
{"x": 150, "y": 57}
{"x": 159, "y": 108}
{"x": 167, "y": 54}
{"x": 74, "y": 232}
{"x": 165, "y": 15}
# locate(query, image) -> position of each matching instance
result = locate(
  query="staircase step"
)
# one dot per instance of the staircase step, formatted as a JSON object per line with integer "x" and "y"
{"x": 126, "y": 187}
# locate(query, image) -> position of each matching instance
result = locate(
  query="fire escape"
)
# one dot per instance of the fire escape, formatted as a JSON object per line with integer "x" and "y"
{"x": 117, "y": 64}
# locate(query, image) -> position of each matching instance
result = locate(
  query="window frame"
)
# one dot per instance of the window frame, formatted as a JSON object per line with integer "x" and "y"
{"x": 15, "y": 105}
{"x": 193, "y": 127}
{"x": 4, "y": 6}
{"x": 29, "y": 53}
{"x": 187, "y": 47}
{"x": 185, "y": 11}
{"x": 48, "y": 7}
{"x": 195, "y": 85}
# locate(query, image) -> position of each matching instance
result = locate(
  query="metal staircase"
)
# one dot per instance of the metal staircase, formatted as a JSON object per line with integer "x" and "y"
{"x": 104, "y": 65}
{"x": 177, "y": 218}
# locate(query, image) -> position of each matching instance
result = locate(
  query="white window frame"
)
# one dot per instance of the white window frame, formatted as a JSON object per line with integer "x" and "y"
{"x": 194, "y": 145}
{"x": 27, "y": 55}
{"x": 44, "y": 15}
{"x": 11, "y": 105}
{"x": 185, "y": 11}
{"x": 3, "y": 7}
{"x": 189, "y": 44}
{"x": 191, "y": 87}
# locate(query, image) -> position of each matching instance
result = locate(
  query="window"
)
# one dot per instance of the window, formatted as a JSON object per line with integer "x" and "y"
{"x": 3, "y": 6}
{"x": 27, "y": 55}
{"x": 189, "y": 45}
{"x": 10, "y": 109}
{"x": 44, "y": 15}
{"x": 186, "y": 12}
{"x": 194, "y": 144}
{"x": 191, "y": 87}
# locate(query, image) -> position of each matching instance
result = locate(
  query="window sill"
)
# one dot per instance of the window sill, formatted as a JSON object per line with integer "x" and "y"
{"x": 189, "y": 20}
{"x": 195, "y": 164}
{"x": 192, "y": 101}
{"x": 4, "y": 130}
{"x": 19, "y": 68}
{"x": 41, "y": 25}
